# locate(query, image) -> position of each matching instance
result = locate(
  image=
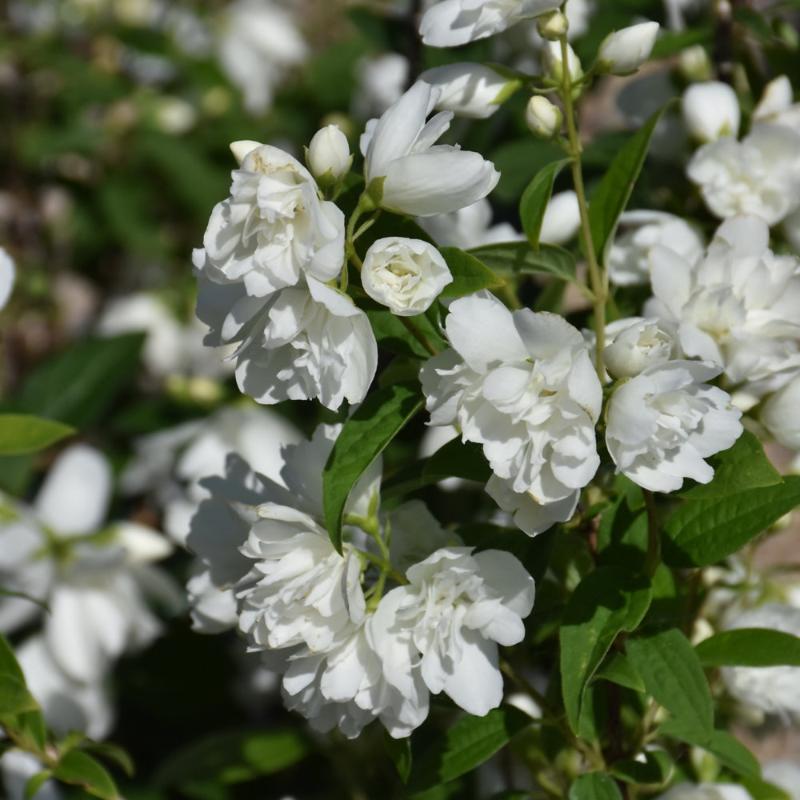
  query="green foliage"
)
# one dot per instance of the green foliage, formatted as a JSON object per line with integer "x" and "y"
{"x": 535, "y": 198}
{"x": 608, "y": 601}
{"x": 594, "y": 786}
{"x": 362, "y": 439}
{"x": 467, "y": 744}
{"x": 750, "y": 647}
{"x": 77, "y": 768}
{"x": 22, "y": 433}
{"x": 518, "y": 258}
{"x": 469, "y": 274}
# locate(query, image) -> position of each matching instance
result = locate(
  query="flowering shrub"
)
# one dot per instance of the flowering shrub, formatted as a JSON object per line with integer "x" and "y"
{"x": 460, "y": 455}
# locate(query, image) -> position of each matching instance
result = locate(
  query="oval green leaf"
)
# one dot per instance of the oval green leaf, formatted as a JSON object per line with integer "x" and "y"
{"x": 519, "y": 258}
{"x": 23, "y": 433}
{"x": 470, "y": 275}
{"x": 750, "y": 647}
{"x": 594, "y": 786}
{"x": 79, "y": 769}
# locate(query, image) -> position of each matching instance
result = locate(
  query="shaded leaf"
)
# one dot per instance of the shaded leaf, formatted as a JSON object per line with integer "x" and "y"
{"x": 519, "y": 258}
{"x": 594, "y": 786}
{"x": 750, "y": 647}
{"x": 535, "y": 198}
{"x": 470, "y": 275}
{"x": 79, "y": 769}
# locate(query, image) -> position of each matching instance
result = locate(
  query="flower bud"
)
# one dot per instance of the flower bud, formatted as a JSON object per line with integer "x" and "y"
{"x": 553, "y": 25}
{"x": 562, "y": 219}
{"x": 624, "y": 51}
{"x": 241, "y": 148}
{"x": 781, "y": 415}
{"x": 329, "y": 154}
{"x": 777, "y": 98}
{"x": 470, "y": 90}
{"x": 554, "y": 66}
{"x": 711, "y": 110}
{"x": 406, "y": 275}
{"x": 543, "y": 117}
{"x": 694, "y": 63}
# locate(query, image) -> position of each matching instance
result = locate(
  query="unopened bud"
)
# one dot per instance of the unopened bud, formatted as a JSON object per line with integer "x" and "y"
{"x": 624, "y": 51}
{"x": 329, "y": 154}
{"x": 554, "y": 64}
{"x": 241, "y": 148}
{"x": 544, "y": 118}
{"x": 694, "y": 63}
{"x": 553, "y": 25}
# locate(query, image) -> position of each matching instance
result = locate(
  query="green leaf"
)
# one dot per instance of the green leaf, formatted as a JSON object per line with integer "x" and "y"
{"x": 727, "y": 748}
{"x": 79, "y": 769}
{"x": 21, "y": 434}
{"x": 674, "y": 677}
{"x": 606, "y": 602}
{"x": 9, "y": 666}
{"x": 750, "y": 647}
{"x": 363, "y": 438}
{"x": 760, "y": 789}
{"x": 36, "y": 782}
{"x": 235, "y": 757}
{"x": 112, "y": 752}
{"x": 15, "y": 697}
{"x": 469, "y": 274}
{"x": 519, "y": 258}
{"x": 399, "y": 751}
{"x": 655, "y": 770}
{"x": 612, "y": 195}
{"x": 594, "y": 786}
{"x": 704, "y": 532}
{"x": 741, "y": 467}
{"x": 78, "y": 385}
{"x": 393, "y": 336}
{"x": 535, "y": 199}
{"x": 618, "y": 669}
{"x": 466, "y": 745}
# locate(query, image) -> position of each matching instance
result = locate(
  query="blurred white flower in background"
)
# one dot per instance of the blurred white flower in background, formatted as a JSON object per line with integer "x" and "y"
{"x": 469, "y": 90}
{"x": 639, "y": 232}
{"x": 781, "y": 415}
{"x": 8, "y": 274}
{"x": 706, "y": 791}
{"x": 711, "y": 111}
{"x": 777, "y": 104}
{"x": 785, "y": 775}
{"x": 17, "y": 768}
{"x": 258, "y": 43}
{"x": 93, "y": 577}
{"x": 468, "y": 227}
{"x": 381, "y": 81}
{"x": 562, "y": 219}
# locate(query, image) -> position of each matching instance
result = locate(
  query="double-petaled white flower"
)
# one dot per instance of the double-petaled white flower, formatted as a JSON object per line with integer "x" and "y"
{"x": 406, "y": 275}
{"x": 450, "y": 23}
{"x": 737, "y": 307}
{"x": 305, "y": 342}
{"x": 773, "y": 690}
{"x": 759, "y": 175}
{"x": 469, "y": 90}
{"x": 444, "y": 626}
{"x": 415, "y": 175}
{"x": 522, "y": 385}
{"x": 663, "y": 424}
{"x": 706, "y": 791}
{"x": 640, "y": 232}
{"x": 777, "y": 104}
{"x": 527, "y": 513}
{"x": 634, "y": 344}
{"x": 273, "y": 229}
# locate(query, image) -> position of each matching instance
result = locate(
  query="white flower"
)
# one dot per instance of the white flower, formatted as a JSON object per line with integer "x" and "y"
{"x": 663, "y": 423}
{"x": 634, "y": 344}
{"x": 774, "y": 690}
{"x": 96, "y": 596}
{"x": 706, "y": 791}
{"x": 381, "y": 81}
{"x": 170, "y": 348}
{"x": 777, "y": 104}
{"x": 522, "y": 385}
{"x": 329, "y": 153}
{"x": 785, "y": 775}
{"x": 469, "y": 90}
{"x": 623, "y": 52}
{"x": 419, "y": 176}
{"x": 18, "y": 767}
{"x": 406, "y": 275}
{"x": 562, "y": 219}
{"x": 445, "y": 625}
{"x": 529, "y": 515}
{"x": 306, "y": 343}
{"x": 273, "y": 228}
{"x": 737, "y": 307}
{"x": 552, "y": 60}
{"x": 8, "y": 274}
{"x": 259, "y": 43}
{"x": 711, "y": 111}
{"x": 68, "y": 705}
{"x": 468, "y": 227}
{"x": 451, "y": 23}
{"x": 640, "y": 231}
{"x": 781, "y": 415}
{"x": 759, "y": 175}
{"x": 543, "y": 118}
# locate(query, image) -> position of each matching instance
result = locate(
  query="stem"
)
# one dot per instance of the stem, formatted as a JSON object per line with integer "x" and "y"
{"x": 597, "y": 279}
{"x": 418, "y": 335}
